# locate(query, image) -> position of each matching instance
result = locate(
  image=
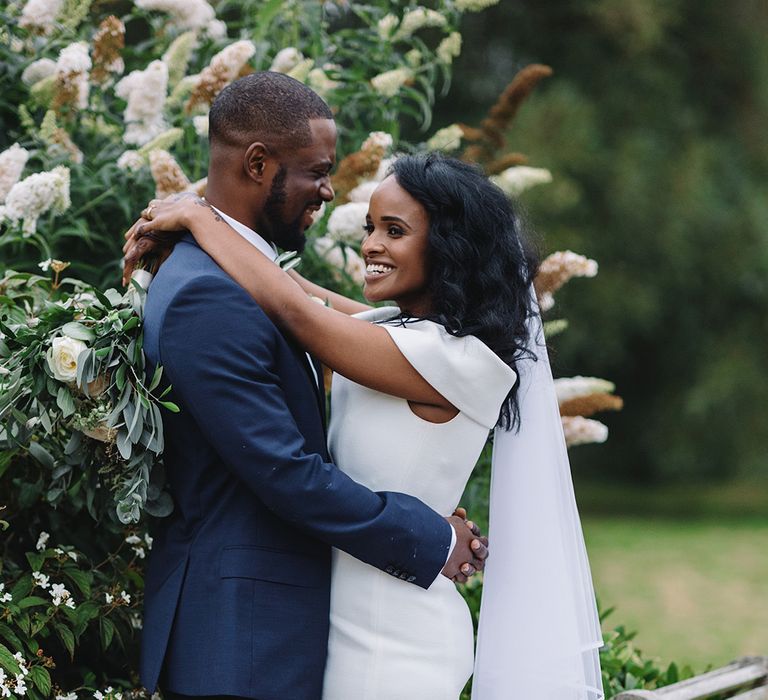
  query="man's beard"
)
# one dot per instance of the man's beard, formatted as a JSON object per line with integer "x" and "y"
{"x": 288, "y": 236}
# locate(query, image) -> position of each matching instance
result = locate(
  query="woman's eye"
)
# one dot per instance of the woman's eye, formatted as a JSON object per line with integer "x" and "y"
{"x": 395, "y": 231}
{"x": 368, "y": 228}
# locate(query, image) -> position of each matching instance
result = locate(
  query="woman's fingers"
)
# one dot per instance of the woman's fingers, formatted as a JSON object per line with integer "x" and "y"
{"x": 135, "y": 253}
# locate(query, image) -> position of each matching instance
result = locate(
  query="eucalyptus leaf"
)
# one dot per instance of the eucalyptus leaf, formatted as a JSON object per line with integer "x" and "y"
{"x": 78, "y": 331}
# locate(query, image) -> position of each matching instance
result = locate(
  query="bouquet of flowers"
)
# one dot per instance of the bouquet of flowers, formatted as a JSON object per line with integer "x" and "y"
{"x": 73, "y": 392}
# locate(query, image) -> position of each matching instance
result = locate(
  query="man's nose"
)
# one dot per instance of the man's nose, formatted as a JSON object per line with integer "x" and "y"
{"x": 326, "y": 191}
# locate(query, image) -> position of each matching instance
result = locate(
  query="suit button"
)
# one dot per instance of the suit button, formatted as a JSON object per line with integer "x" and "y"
{"x": 403, "y": 576}
{"x": 396, "y": 572}
{"x": 411, "y": 579}
{"x": 390, "y": 569}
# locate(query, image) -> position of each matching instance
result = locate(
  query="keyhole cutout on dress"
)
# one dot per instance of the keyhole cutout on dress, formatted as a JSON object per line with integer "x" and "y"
{"x": 433, "y": 414}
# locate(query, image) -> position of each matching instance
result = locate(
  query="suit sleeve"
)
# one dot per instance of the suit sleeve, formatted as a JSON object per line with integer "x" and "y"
{"x": 218, "y": 351}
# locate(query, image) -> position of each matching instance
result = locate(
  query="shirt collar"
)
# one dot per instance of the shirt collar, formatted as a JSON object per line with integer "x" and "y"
{"x": 249, "y": 234}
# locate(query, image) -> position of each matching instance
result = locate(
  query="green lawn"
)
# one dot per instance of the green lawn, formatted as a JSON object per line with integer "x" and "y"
{"x": 696, "y": 591}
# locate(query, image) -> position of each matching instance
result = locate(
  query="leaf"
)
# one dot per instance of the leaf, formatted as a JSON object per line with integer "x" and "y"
{"x": 81, "y": 579}
{"x": 106, "y": 631}
{"x": 161, "y": 507}
{"x": 120, "y": 376}
{"x": 33, "y": 601}
{"x": 65, "y": 402}
{"x": 169, "y": 405}
{"x": 156, "y": 378}
{"x": 41, "y": 454}
{"x": 124, "y": 446}
{"x": 131, "y": 323}
{"x": 7, "y": 661}
{"x": 41, "y": 679}
{"x": 78, "y": 331}
{"x": 9, "y": 635}
{"x": 66, "y": 637}
{"x": 36, "y": 560}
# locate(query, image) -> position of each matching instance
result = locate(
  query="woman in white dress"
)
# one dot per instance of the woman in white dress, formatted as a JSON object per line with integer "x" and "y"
{"x": 417, "y": 388}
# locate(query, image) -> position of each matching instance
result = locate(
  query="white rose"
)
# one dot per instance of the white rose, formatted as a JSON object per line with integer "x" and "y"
{"x": 62, "y": 358}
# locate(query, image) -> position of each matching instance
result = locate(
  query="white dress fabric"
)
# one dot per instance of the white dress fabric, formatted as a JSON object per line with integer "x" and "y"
{"x": 389, "y": 639}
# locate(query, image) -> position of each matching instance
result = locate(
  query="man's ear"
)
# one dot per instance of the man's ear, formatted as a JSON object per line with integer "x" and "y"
{"x": 255, "y": 161}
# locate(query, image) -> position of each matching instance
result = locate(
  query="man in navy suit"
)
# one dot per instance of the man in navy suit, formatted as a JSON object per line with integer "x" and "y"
{"x": 238, "y": 581}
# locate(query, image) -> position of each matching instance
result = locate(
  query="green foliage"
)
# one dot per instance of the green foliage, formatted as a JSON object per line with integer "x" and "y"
{"x": 653, "y": 130}
{"x": 74, "y": 394}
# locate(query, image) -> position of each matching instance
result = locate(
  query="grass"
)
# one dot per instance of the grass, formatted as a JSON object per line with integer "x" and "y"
{"x": 696, "y": 590}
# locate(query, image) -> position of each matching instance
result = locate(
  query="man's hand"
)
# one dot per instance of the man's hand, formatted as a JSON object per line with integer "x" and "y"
{"x": 470, "y": 552}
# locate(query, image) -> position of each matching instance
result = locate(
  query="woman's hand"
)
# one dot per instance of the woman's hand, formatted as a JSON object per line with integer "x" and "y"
{"x": 158, "y": 229}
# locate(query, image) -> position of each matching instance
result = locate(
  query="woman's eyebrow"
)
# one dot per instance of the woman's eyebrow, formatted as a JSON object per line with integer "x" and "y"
{"x": 396, "y": 218}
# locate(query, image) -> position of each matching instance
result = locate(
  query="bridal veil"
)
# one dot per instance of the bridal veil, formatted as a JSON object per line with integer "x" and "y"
{"x": 539, "y": 633}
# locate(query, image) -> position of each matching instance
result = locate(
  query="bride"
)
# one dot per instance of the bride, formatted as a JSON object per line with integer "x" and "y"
{"x": 417, "y": 388}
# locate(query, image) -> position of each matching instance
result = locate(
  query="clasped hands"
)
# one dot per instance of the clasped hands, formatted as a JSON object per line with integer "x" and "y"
{"x": 470, "y": 552}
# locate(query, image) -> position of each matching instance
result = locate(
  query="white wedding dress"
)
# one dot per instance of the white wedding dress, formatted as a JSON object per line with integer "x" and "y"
{"x": 390, "y": 639}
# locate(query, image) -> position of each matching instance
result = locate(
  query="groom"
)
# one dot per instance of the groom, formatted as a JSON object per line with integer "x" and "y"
{"x": 237, "y": 586}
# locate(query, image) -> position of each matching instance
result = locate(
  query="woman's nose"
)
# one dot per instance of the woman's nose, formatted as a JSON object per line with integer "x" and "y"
{"x": 371, "y": 244}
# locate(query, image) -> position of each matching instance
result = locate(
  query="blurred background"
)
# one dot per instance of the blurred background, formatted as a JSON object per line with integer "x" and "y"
{"x": 654, "y": 128}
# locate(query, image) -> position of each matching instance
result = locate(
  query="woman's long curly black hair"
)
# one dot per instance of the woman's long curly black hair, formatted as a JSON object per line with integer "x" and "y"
{"x": 481, "y": 267}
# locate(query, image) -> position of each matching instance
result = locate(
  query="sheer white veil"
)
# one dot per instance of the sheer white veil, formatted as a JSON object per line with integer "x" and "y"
{"x": 539, "y": 634}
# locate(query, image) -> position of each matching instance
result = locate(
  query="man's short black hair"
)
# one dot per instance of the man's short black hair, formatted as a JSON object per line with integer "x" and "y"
{"x": 266, "y": 106}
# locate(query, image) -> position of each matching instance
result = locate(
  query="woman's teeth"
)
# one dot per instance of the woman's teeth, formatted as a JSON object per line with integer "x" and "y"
{"x": 378, "y": 269}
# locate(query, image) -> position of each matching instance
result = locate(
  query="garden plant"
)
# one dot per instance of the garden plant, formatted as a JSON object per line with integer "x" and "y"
{"x": 103, "y": 106}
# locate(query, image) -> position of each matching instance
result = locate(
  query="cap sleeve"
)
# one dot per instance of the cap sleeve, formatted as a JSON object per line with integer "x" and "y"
{"x": 464, "y": 370}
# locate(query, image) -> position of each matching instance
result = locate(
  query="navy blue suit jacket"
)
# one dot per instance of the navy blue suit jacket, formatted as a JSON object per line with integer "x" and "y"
{"x": 237, "y": 586}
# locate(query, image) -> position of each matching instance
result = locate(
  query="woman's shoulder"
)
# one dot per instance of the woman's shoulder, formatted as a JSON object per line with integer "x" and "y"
{"x": 462, "y": 368}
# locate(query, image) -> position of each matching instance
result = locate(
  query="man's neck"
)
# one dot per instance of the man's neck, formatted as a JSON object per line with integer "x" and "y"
{"x": 237, "y": 208}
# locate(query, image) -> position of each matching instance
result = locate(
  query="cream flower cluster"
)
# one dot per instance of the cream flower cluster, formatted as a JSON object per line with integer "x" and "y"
{"x": 474, "y": 5}
{"x": 4, "y": 597}
{"x": 38, "y": 70}
{"x": 519, "y": 178}
{"x": 59, "y": 594}
{"x": 346, "y": 221}
{"x": 556, "y": 270}
{"x": 231, "y": 59}
{"x": 363, "y": 192}
{"x": 185, "y": 14}
{"x": 35, "y": 195}
{"x": 341, "y": 258}
{"x": 582, "y": 431}
{"x": 319, "y": 81}
{"x": 177, "y": 55}
{"x": 388, "y": 83}
{"x": 377, "y": 140}
{"x": 72, "y": 69}
{"x": 286, "y": 60}
{"x": 387, "y": 25}
{"x": 416, "y": 19}
{"x": 139, "y": 545}
{"x": 569, "y": 388}
{"x": 447, "y": 139}
{"x": 449, "y": 48}
{"x": 12, "y": 162}
{"x": 42, "y": 541}
{"x": 40, "y": 15}
{"x": 145, "y": 93}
